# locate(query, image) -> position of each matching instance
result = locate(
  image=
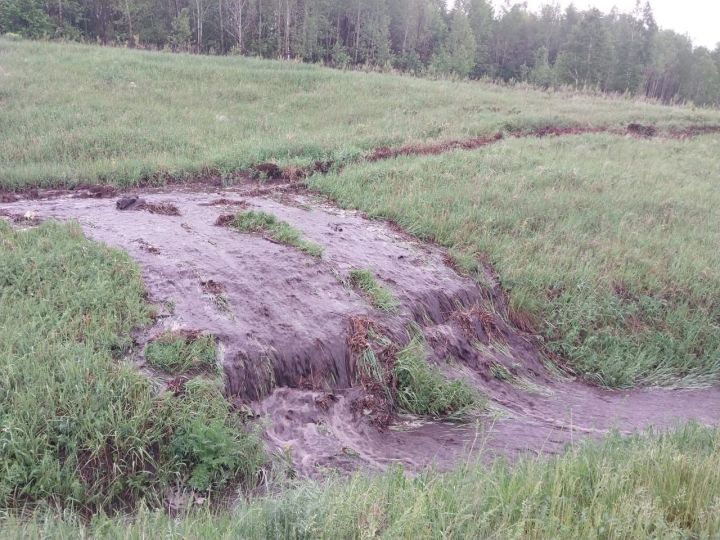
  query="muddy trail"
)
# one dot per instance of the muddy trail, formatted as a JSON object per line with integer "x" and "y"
{"x": 288, "y": 325}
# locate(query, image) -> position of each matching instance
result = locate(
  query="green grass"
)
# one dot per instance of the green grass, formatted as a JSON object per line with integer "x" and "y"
{"x": 279, "y": 231}
{"x": 177, "y": 353}
{"x": 380, "y": 297}
{"x": 604, "y": 241}
{"x": 624, "y": 487}
{"x": 72, "y": 113}
{"x": 81, "y": 428}
{"x": 423, "y": 389}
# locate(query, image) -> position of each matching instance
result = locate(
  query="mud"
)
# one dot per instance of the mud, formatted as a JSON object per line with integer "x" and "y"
{"x": 289, "y": 331}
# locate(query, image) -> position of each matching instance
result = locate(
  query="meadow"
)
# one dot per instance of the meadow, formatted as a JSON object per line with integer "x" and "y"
{"x": 74, "y": 113}
{"x": 605, "y": 244}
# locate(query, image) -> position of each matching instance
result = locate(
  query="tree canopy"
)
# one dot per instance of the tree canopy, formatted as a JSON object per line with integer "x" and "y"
{"x": 613, "y": 52}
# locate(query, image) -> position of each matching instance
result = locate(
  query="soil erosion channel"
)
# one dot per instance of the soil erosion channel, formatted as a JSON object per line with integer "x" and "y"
{"x": 286, "y": 323}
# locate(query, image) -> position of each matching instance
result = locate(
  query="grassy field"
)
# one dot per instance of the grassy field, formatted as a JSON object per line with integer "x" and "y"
{"x": 606, "y": 245}
{"x": 604, "y": 241}
{"x": 656, "y": 487}
{"x": 76, "y": 113}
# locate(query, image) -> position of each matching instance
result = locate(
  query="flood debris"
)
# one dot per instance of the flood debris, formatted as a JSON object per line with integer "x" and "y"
{"x": 136, "y": 203}
{"x": 641, "y": 130}
{"x": 147, "y": 247}
{"x": 130, "y": 202}
{"x": 240, "y": 203}
{"x": 269, "y": 171}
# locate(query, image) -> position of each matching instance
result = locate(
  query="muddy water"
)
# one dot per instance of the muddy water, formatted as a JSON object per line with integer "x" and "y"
{"x": 282, "y": 321}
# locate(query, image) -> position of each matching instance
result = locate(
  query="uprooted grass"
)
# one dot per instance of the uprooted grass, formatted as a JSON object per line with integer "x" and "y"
{"x": 275, "y": 229}
{"x": 80, "y": 113}
{"x": 380, "y": 297}
{"x": 603, "y": 241}
{"x": 80, "y": 428}
{"x": 178, "y": 352}
{"x": 403, "y": 379}
{"x": 638, "y": 487}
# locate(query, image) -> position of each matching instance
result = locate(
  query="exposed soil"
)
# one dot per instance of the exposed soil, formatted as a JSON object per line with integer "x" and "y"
{"x": 290, "y": 331}
{"x": 472, "y": 143}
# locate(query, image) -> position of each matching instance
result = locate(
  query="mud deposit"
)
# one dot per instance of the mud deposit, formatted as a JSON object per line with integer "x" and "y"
{"x": 283, "y": 322}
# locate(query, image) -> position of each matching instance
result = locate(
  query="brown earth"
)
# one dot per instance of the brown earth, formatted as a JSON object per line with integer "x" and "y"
{"x": 289, "y": 331}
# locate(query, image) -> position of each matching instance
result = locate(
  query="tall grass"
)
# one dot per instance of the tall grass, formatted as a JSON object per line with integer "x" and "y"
{"x": 605, "y": 242}
{"x": 639, "y": 487}
{"x": 73, "y": 113}
{"x": 80, "y": 428}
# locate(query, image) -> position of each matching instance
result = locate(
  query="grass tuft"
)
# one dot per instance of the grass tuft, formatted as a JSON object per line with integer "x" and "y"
{"x": 179, "y": 353}
{"x": 423, "y": 389}
{"x": 277, "y": 230}
{"x": 380, "y": 296}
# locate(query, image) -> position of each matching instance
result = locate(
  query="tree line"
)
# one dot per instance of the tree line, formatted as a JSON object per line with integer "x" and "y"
{"x": 612, "y": 52}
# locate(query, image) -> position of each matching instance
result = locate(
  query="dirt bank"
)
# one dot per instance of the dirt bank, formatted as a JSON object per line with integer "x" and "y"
{"x": 282, "y": 320}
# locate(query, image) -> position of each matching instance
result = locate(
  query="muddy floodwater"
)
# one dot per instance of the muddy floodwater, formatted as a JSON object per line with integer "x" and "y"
{"x": 283, "y": 323}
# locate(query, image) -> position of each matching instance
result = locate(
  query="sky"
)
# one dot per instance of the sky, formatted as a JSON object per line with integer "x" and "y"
{"x": 699, "y": 19}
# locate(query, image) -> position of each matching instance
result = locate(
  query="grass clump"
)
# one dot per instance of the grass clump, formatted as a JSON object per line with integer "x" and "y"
{"x": 601, "y": 240}
{"x": 209, "y": 440}
{"x": 80, "y": 428}
{"x": 381, "y": 297}
{"x": 182, "y": 352}
{"x": 277, "y": 230}
{"x": 644, "y": 486}
{"x": 423, "y": 389}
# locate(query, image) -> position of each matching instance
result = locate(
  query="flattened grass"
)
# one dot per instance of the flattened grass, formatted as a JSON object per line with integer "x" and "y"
{"x": 380, "y": 297}
{"x": 81, "y": 429}
{"x": 604, "y": 242}
{"x": 278, "y": 230}
{"x": 72, "y": 113}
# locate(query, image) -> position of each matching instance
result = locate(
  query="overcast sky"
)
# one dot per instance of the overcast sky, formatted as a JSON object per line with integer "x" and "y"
{"x": 699, "y": 19}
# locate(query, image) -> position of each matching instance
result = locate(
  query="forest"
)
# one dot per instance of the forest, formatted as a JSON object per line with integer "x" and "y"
{"x": 610, "y": 52}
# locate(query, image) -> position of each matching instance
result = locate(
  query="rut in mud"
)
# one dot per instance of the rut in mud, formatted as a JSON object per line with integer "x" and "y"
{"x": 285, "y": 323}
